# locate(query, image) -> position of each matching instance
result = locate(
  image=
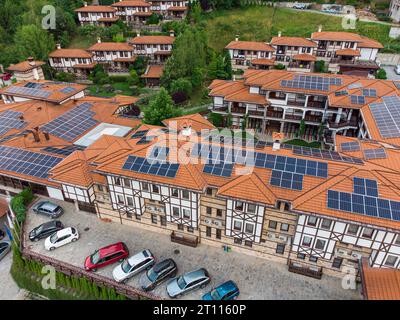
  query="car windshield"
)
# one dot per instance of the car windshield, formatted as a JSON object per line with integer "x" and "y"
{"x": 38, "y": 229}
{"x": 126, "y": 267}
{"x": 95, "y": 257}
{"x": 53, "y": 238}
{"x": 152, "y": 275}
{"x": 181, "y": 283}
{"x": 215, "y": 294}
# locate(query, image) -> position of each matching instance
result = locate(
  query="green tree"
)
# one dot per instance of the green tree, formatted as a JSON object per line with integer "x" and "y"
{"x": 216, "y": 119}
{"x": 302, "y": 128}
{"x": 196, "y": 12}
{"x": 160, "y": 108}
{"x": 228, "y": 64}
{"x": 319, "y": 66}
{"x": 181, "y": 85}
{"x": 216, "y": 69}
{"x": 381, "y": 74}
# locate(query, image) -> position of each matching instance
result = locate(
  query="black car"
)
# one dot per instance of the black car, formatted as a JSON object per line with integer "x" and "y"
{"x": 158, "y": 273}
{"x": 2, "y": 234}
{"x": 45, "y": 230}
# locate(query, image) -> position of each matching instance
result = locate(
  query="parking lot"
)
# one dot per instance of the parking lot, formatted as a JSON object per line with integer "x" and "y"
{"x": 256, "y": 278}
{"x": 391, "y": 75}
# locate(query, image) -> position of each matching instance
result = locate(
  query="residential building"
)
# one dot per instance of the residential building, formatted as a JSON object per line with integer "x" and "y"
{"x": 153, "y": 75}
{"x": 157, "y": 48}
{"x": 27, "y": 70}
{"x": 171, "y": 10}
{"x": 133, "y": 12}
{"x": 116, "y": 57}
{"x": 97, "y": 15}
{"x": 394, "y": 10}
{"x": 76, "y": 61}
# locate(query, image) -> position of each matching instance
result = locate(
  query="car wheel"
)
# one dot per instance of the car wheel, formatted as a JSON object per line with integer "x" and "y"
{"x": 178, "y": 296}
{"x": 203, "y": 286}
{"x": 121, "y": 260}
{"x": 74, "y": 239}
{"x": 94, "y": 270}
{"x": 36, "y": 239}
{"x": 52, "y": 248}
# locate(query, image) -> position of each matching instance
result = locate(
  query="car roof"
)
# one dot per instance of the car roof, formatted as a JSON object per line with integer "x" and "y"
{"x": 4, "y": 244}
{"x": 48, "y": 205}
{"x": 196, "y": 274}
{"x": 227, "y": 286}
{"x": 139, "y": 257}
{"x": 64, "y": 232}
{"x": 112, "y": 248}
{"x": 163, "y": 264}
{"x": 49, "y": 224}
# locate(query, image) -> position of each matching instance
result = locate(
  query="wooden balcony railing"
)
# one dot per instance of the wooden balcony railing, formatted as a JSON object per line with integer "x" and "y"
{"x": 342, "y": 124}
{"x": 314, "y": 272}
{"x": 186, "y": 240}
{"x": 275, "y": 114}
{"x": 240, "y": 110}
{"x": 316, "y": 104}
{"x": 293, "y": 117}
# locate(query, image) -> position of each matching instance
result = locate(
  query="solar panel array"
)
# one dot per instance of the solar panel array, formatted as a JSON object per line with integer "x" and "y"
{"x": 369, "y": 93}
{"x": 325, "y": 154}
{"x": 378, "y": 153}
{"x": 159, "y": 153}
{"x": 288, "y": 180}
{"x": 146, "y": 139}
{"x": 10, "y": 120}
{"x": 341, "y": 93}
{"x": 67, "y": 90}
{"x": 219, "y": 169}
{"x": 33, "y": 85}
{"x": 357, "y": 99}
{"x": 364, "y": 204}
{"x": 354, "y": 85}
{"x": 350, "y": 146}
{"x": 139, "y": 134}
{"x": 311, "y": 82}
{"x": 38, "y": 93}
{"x": 64, "y": 151}
{"x": 143, "y": 165}
{"x": 387, "y": 116}
{"x": 25, "y": 162}
{"x": 366, "y": 187}
{"x": 73, "y": 123}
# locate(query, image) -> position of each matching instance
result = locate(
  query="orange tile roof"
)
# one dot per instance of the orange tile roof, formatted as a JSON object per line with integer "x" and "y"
{"x": 143, "y": 14}
{"x": 263, "y": 62}
{"x": 153, "y": 71}
{"x": 177, "y": 8}
{"x": 196, "y": 121}
{"x": 380, "y": 283}
{"x": 25, "y": 66}
{"x": 369, "y": 43}
{"x": 111, "y": 46}
{"x": 153, "y": 40}
{"x": 304, "y": 57}
{"x": 249, "y": 45}
{"x": 84, "y": 65}
{"x": 293, "y": 41}
{"x": 112, "y": 19}
{"x": 336, "y": 36}
{"x": 3, "y": 207}
{"x": 96, "y": 9}
{"x": 70, "y": 53}
{"x": 135, "y": 3}
{"x": 348, "y": 52}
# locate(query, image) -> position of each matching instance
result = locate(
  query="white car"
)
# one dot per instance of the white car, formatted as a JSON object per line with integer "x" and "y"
{"x": 397, "y": 69}
{"x": 133, "y": 265}
{"x": 61, "y": 238}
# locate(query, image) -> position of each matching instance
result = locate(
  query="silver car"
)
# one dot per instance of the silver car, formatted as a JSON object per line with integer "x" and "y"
{"x": 397, "y": 69}
{"x": 5, "y": 248}
{"x": 188, "y": 282}
{"x": 48, "y": 208}
{"x": 133, "y": 265}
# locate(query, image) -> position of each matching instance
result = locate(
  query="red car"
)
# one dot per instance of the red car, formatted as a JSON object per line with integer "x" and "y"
{"x": 107, "y": 255}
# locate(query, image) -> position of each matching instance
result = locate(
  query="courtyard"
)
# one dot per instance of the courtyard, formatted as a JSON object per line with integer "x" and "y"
{"x": 256, "y": 278}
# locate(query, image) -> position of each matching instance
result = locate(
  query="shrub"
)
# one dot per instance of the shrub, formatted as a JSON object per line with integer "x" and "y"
{"x": 179, "y": 97}
{"x": 65, "y": 77}
{"x": 181, "y": 85}
{"x": 115, "y": 79}
{"x": 27, "y": 195}
{"x": 381, "y": 74}
{"x": 319, "y": 66}
{"x": 280, "y": 66}
{"x": 216, "y": 119}
{"x": 19, "y": 208}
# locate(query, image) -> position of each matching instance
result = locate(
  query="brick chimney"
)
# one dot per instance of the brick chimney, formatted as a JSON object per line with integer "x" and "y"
{"x": 320, "y": 28}
{"x": 237, "y": 37}
{"x": 171, "y": 33}
{"x": 58, "y": 45}
{"x": 280, "y": 34}
{"x": 98, "y": 40}
{"x": 85, "y": 4}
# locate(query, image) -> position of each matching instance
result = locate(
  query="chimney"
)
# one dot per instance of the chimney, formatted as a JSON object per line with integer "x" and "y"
{"x": 138, "y": 34}
{"x": 46, "y": 135}
{"x": 58, "y": 45}
{"x": 35, "y": 134}
{"x": 280, "y": 34}
{"x": 237, "y": 37}
{"x": 98, "y": 40}
{"x": 31, "y": 61}
{"x": 85, "y": 4}
{"x": 171, "y": 33}
{"x": 320, "y": 28}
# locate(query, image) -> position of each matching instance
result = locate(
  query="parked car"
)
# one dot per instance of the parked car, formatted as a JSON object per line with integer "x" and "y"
{"x": 226, "y": 291}
{"x": 132, "y": 266}
{"x": 188, "y": 282}
{"x": 61, "y": 238}
{"x": 158, "y": 273}
{"x": 45, "y": 229}
{"x": 106, "y": 256}
{"x": 300, "y": 6}
{"x": 5, "y": 248}
{"x": 48, "y": 208}
{"x": 2, "y": 234}
{"x": 397, "y": 69}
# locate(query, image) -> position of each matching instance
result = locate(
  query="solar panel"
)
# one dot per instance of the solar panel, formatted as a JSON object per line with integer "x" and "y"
{"x": 147, "y": 166}
{"x": 369, "y": 93}
{"x": 67, "y": 90}
{"x": 219, "y": 169}
{"x": 10, "y": 120}
{"x": 387, "y": 116}
{"x": 341, "y": 93}
{"x": 33, "y": 85}
{"x": 288, "y": 180}
{"x": 139, "y": 134}
{"x": 25, "y": 162}
{"x": 357, "y": 99}
{"x": 354, "y": 85}
{"x": 325, "y": 154}
{"x": 73, "y": 123}
{"x": 64, "y": 151}
{"x": 365, "y": 186}
{"x": 146, "y": 139}
{"x": 159, "y": 153}
{"x": 350, "y": 146}
{"x": 28, "y": 92}
{"x": 378, "y": 153}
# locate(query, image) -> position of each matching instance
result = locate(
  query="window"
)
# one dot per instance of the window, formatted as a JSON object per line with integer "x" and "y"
{"x": 239, "y": 205}
{"x": 186, "y": 213}
{"x": 156, "y": 189}
{"x": 163, "y": 221}
{"x": 367, "y": 233}
{"x": 219, "y": 213}
{"x": 127, "y": 183}
{"x": 100, "y": 187}
{"x": 237, "y": 241}
{"x": 397, "y": 240}
{"x": 154, "y": 218}
{"x": 337, "y": 263}
{"x": 209, "y": 192}
{"x": 117, "y": 181}
{"x": 390, "y": 261}
{"x": 284, "y": 227}
{"x": 326, "y": 224}
{"x": 251, "y": 208}
{"x": 237, "y": 225}
{"x": 313, "y": 259}
{"x": 145, "y": 186}
{"x": 307, "y": 241}
{"x": 190, "y": 229}
{"x": 120, "y": 199}
{"x": 218, "y": 233}
{"x": 138, "y": 217}
{"x": 175, "y": 193}
{"x": 352, "y": 229}
{"x": 249, "y": 228}
{"x": 175, "y": 212}
{"x": 209, "y": 210}
{"x": 320, "y": 244}
{"x": 181, "y": 227}
{"x": 301, "y": 256}
{"x": 272, "y": 224}
{"x": 312, "y": 221}
{"x": 208, "y": 231}
{"x": 248, "y": 243}
{"x": 129, "y": 201}
{"x": 280, "y": 248}
{"x": 185, "y": 194}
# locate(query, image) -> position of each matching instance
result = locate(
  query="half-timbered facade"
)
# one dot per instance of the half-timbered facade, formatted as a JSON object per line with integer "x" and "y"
{"x": 97, "y": 15}
{"x": 156, "y": 48}
{"x": 132, "y": 12}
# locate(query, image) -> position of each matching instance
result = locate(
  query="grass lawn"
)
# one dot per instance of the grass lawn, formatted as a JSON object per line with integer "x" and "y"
{"x": 123, "y": 87}
{"x": 300, "y": 142}
{"x": 255, "y": 23}
{"x": 82, "y": 42}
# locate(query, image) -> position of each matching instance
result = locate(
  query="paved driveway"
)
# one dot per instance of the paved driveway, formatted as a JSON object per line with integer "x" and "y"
{"x": 257, "y": 278}
{"x": 391, "y": 75}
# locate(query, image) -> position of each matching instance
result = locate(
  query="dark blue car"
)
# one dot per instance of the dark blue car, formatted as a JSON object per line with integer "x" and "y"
{"x": 226, "y": 291}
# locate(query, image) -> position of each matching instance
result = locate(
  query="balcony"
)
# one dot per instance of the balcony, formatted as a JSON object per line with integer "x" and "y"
{"x": 293, "y": 117}
{"x": 311, "y": 118}
{"x": 299, "y": 65}
{"x": 276, "y": 97}
{"x": 240, "y": 110}
{"x": 342, "y": 124}
{"x": 309, "y": 271}
{"x": 224, "y": 109}
{"x": 298, "y": 103}
{"x": 275, "y": 114}
{"x": 256, "y": 113}
{"x": 316, "y": 104}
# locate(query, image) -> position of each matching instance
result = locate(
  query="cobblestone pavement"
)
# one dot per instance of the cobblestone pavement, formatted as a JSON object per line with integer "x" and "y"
{"x": 8, "y": 288}
{"x": 391, "y": 75}
{"x": 257, "y": 278}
